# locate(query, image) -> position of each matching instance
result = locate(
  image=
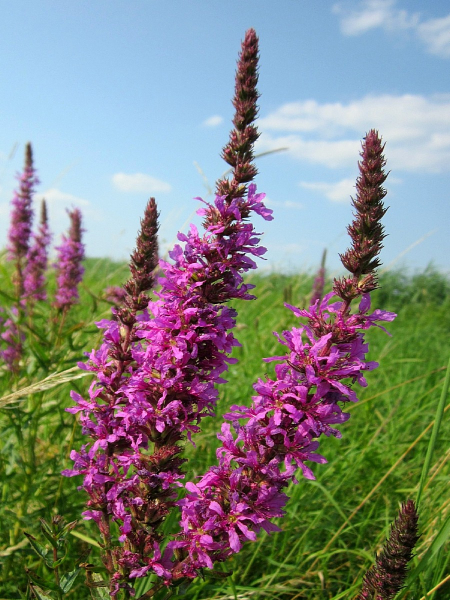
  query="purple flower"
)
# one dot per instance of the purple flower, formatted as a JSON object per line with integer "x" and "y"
{"x": 319, "y": 281}
{"x": 12, "y": 338}
{"x": 278, "y": 434}
{"x": 21, "y": 219}
{"x": 156, "y": 380}
{"x": 36, "y": 264}
{"x": 69, "y": 270}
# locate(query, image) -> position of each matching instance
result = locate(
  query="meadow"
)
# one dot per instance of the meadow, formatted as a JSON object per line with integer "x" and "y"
{"x": 334, "y": 525}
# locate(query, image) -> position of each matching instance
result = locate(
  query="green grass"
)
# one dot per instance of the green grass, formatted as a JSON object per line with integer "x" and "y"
{"x": 334, "y": 525}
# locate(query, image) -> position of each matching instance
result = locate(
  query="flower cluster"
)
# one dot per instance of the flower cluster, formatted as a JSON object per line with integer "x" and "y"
{"x": 69, "y": 270}
{"x": 233, "y": 501}
{"x": 160, "y": 360}
{"x": 324, "y": 359}
{"x": 21, "y": 219}
{"x": 12, "y": 338}
{"x": 37, "y": 258}
{"x": 168, "y": 382}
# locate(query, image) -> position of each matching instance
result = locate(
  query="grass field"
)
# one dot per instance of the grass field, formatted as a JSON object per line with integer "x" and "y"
{"x": 334, "y": 525}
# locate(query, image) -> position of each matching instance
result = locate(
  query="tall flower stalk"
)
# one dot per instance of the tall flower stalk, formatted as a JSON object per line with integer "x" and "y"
{"x": 156, "y": 377}
{"x": 386, "y": 578}
{"x": 20, "y": 229}
{"x": 12, "y": 339}
{"x": 238, "y": 153}
{"x": 319, "y": 280}
{"x": 69, "y": 268}
{"x": 37, "y": 259}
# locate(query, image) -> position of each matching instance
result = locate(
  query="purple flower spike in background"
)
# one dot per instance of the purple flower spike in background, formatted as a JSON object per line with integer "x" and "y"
{"x": 37, "y": 258}
{"x": 22, "y": 219}
{"x": 319, "y": 281}
{"x": 12, "y": 338}
{"x": 69, "y": 270}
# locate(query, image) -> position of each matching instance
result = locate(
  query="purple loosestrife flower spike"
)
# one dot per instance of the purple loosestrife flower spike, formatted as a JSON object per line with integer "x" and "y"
{"x": 238, "y": 153}
{"x": 152, "y": 392}
{"x": 143, "y": 264}
{"x": 37, "y": 258}
{"x": 366, "y": 230}
{"x": 265, "y": 444}
{"x": 319, "y": 281}
{"x": 156, "y": 382}
{"x": 387, "y": 577}
{"x": 21, "y": 219}
{"x": 69, "y": 270}
{"x": 13, "y": 339}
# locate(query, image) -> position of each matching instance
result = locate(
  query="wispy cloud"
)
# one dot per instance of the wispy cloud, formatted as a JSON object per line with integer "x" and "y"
{"x": 58, "y": 202}
{"x": 213, "y": 121}
{"x": 435, "y": 34}
{"x": 140, "y": 183}
{"x": 289, "y": 204}
{"x": 55, "y": 197}
{"x": 339, "y": 192}
{"x": 416, "y": 127}
{"x": 385, "y": 14}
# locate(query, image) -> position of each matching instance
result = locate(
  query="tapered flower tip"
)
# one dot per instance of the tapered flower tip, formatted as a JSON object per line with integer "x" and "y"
{"x": 386, "y": 578}
{"x": 28, "y": 155}
{"x": 75, "y": 225}
{"x": 250, "y": 37}
{"x": 44, "y": 215}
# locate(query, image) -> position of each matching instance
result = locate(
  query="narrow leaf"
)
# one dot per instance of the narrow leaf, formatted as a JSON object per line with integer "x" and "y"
{"x": 37, "y": 547}
{"x": 40, "y": 594}
{"x": 47, "y": 532}
{"x": 42, "y": 583}
{"x": 68, "y": 579}
{"x": 85, "y": 538}
{"x": 65, "y": 530}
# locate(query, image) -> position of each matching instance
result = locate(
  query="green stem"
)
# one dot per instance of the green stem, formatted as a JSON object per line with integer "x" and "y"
{"x": 434, "y": 434}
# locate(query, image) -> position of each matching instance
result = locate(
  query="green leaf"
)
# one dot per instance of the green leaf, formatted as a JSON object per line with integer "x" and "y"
{"x": 42, "y": 583}
{"x": 97, "y": 586}
{"x": 37, "y": 547}
{"x": 68, "y": 579}
{"x": 48, "y": 533}
{"x": 85, "y": 538}
{"x": 40, "y": 594}
{"x": 436, "y": 545}
{"x": 45, "y": 526}
{"x": 63, "y": 533}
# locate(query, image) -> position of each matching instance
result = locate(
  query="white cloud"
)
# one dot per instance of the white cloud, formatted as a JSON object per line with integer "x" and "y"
{"x": 213, "y": 121}
{"x": 416, "y": 128}
{"x": 340, "y": 191}
{"x": 140, "y": 183}
{"x": 332, "y": 154}
{"x": 435, "y": 33}
{"x": 55, "y": 197}
{"x": 58, "y": 202}
{"x": 384, "y": 14}
{"x": 374, "y": 13}
{"x": 283, "y": 204}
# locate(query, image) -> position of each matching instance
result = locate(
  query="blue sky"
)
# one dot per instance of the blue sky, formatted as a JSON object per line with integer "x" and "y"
{"x": 122, "y": 99}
